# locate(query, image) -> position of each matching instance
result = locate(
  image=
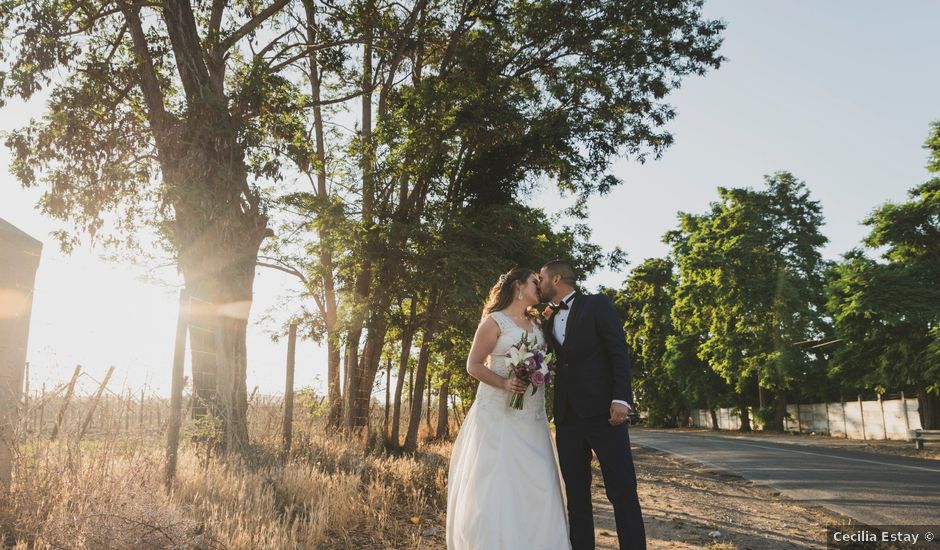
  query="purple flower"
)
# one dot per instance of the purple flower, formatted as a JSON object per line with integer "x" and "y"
{"x": 537, "y": 378}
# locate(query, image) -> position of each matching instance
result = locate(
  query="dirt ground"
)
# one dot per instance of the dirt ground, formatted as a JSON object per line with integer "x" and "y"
{"x": 689, "y": 506}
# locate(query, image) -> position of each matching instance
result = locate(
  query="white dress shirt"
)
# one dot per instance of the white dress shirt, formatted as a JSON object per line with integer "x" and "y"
{"x": 560, "y": 325}
{"x": 561, "y": 320}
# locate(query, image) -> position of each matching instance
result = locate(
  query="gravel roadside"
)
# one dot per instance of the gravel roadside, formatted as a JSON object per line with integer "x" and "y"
{"x": 689, "y": 506}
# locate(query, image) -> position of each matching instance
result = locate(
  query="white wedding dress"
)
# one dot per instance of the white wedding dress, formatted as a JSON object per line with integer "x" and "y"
{"x": 504, "y": 489}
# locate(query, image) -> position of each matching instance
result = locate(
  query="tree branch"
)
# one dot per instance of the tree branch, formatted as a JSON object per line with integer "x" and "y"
{"x": 181, "y": 27}
{"x": 397, "y": 55}
{"x": 308, "y": 49}
{"x": 149, "y": 83}
{"x": 251, "y": 25}
{"x": 92, "y": 19}
{"x": 280, "y": 267}
{"x": 215, "y": 21}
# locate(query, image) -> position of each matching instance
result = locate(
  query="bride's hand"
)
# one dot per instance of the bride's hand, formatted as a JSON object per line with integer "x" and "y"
{"x": 514, "y": 385}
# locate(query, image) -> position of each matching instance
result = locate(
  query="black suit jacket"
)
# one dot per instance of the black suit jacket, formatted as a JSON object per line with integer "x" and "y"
{"x": 594, "y": 363}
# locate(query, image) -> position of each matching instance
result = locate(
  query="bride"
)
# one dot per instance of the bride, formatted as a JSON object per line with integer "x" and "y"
{"x": 504, "y": 490}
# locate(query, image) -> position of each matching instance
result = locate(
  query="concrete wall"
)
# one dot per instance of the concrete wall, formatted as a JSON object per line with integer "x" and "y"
{"x": 891, "y": 419}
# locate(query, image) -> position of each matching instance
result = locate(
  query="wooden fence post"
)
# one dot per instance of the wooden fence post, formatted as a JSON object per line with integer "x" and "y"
{"x": 176, "y": 390}
{"x": 26, "y": 391}
{"x": 140, "y": 412}
{"x": 104, "y": 415}
{"x": 127, "y": 411}
{"x": 884, "y": 421}
{"x": 287, "y": 431}
{"x": 42, "y": 409}
{"x": 861, "y": 412}
{"x": 94, "y": 404}
{"x": 907, "y": 421}
{"x": 65, "y": 405}
{"x": 845, "y": 425}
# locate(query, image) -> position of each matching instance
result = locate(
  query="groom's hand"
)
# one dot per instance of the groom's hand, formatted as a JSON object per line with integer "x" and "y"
{"x": 618, "y": 414}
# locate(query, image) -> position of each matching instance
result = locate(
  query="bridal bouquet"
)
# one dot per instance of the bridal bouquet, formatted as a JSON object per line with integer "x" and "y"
{"x": 530, "y": 363}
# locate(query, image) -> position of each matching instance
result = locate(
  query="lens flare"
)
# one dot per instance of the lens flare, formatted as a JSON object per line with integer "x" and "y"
{"x": 13, "y": 304}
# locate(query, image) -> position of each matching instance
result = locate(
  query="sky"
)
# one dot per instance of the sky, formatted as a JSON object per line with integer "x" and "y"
{"x": 839, "y": 93}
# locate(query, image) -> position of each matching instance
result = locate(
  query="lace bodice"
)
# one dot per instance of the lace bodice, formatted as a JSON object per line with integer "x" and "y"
{"x": 496, "y": 399}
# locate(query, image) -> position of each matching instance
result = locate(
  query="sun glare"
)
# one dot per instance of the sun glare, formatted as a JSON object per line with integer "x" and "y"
{"x": 13, "y": 304}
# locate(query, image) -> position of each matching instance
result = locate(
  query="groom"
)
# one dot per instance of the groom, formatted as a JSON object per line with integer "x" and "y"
{"x": 592, "y": 401}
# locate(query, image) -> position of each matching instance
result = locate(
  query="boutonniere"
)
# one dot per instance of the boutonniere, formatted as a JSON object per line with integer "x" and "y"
{"x": 548, "y": 312}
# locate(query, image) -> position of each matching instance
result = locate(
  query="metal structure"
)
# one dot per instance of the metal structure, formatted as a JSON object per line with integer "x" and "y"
{"x": 19, "y": 260}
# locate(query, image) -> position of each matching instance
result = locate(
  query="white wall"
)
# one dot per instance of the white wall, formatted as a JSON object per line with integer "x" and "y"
{"x": 881, "y": 419}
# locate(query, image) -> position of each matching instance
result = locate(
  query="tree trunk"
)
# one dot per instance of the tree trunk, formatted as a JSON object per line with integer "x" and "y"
{"x": 929, "y": 406}
{"x": 411, "y": 388}
{"x": 176, "y": 392}
{"x": 435, "y": 300}
{"x": 406, "y": 341}
{"x": 745, "y": 417}
{"x": 218, "y": 229}
{"x": 232, "y": 352}
{"x": 334, "y": 395}
{"x": 710, "y": 405}
{"x": 414, "y": 423}
{"x": 780, "y": 412}
{"x": 443, "y": 423}
{"x": 427, "y": 411}
{"x": 287, "y": 428}
{"x": 325, "y": 236}
{"x": 219, "y": 352}
{"x": 353, "y": 376}
{"x": 218, "y": 220}
{"x": 219, "y": 272}
{"x": 456, "y": 409}
{"x": 356, "y": 409}
{"x": 369, "y": 367}
{"x": 388, "y": 398}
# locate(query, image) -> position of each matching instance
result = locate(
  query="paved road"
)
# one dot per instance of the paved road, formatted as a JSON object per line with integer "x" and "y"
{"x": 871, "y": 488}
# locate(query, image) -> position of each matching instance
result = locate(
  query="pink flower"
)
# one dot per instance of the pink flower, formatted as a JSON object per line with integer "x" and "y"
{"x": 537, "y": 378}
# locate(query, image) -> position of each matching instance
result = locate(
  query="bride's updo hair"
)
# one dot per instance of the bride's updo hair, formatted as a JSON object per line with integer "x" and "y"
{"x": 504, "y": 291}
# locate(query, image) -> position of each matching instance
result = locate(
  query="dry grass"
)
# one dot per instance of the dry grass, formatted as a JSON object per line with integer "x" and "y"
{"x": 331, "y": 492}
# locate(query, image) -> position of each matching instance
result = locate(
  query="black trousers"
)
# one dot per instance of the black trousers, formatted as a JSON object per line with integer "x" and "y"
{"x": 576, "y": 438}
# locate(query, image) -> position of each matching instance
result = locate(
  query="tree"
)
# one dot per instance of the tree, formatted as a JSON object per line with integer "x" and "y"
{"x": 750, "y": 276}
{"x": 698, "y": 383}
{"x": 646, "y": 305}
{"x": 161, "y": 115}
{"x": 458, "y": 261}
{"x": 888, "y": 312}
{"x": 507, "y": 96}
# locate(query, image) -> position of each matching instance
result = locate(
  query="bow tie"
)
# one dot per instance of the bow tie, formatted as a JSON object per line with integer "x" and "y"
{"x": 559, "y": 307}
